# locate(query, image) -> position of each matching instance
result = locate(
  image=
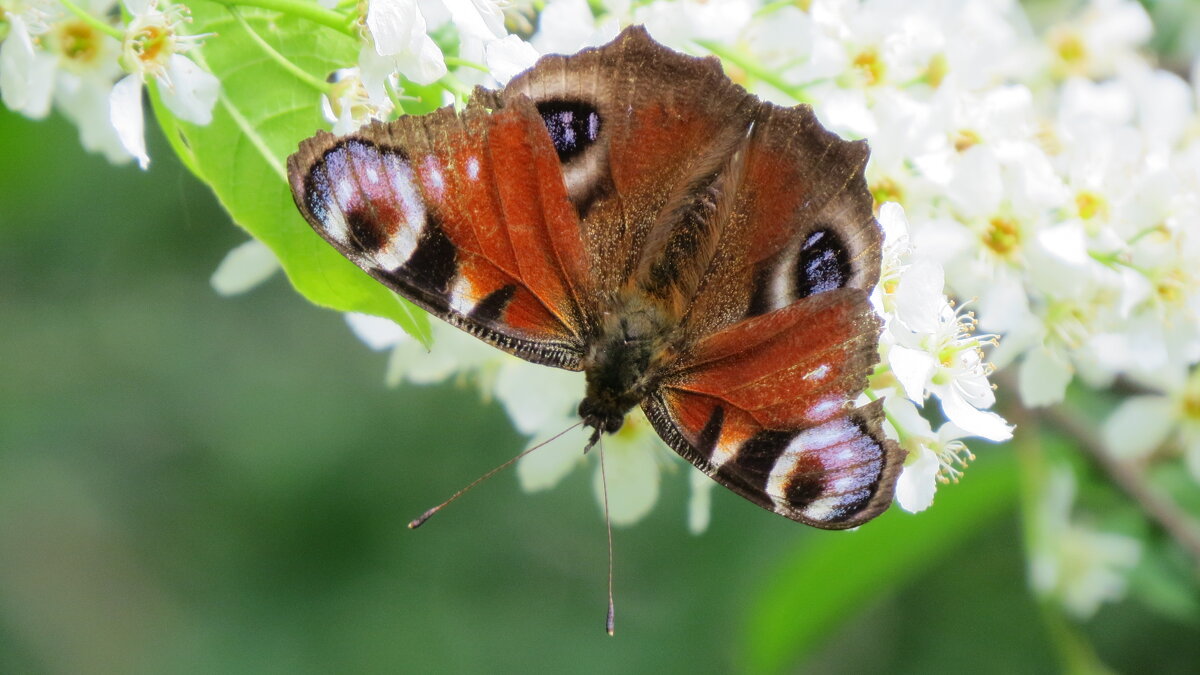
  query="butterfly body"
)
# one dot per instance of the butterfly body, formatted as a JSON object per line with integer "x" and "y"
{"x": 630, "y": 213}
{"x": 622, "y": 359}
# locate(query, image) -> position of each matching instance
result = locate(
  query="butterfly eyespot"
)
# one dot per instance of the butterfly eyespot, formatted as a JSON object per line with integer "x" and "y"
{"x": 573, "y": 126}
{"x": 366, "y": 230}
{"x": 823, "y": 264}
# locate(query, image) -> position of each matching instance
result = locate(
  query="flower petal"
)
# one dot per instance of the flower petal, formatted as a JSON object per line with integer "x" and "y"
{"x": 85, "y": 102}
{"x": 534, "y": 396}
{"x": 243, "y": 268}
{"x": 919, "y": 297}
{"x": 192, "y": 92}
{"x": 700, "y": 501}
{"x": 392, "y": 24}
{"x": 977, "y": 422}
{"x": 125, "y": 108}
{"x": 545, "y": 467}
{"x": 26, "y": 75}
{"x": 633, "y": 480}
{"x": 1043, "y": 377}
{"x": 918, "y": 482}
{"x": 893, "y": 221}
{"x": 1139, "y": 426}
{"x": 424, "y": 64}
{"x": 505, "y": 58}
{"x": 479, "y": 19}
{"x": 376, "y": 332}
{"x": 912, "y": 368}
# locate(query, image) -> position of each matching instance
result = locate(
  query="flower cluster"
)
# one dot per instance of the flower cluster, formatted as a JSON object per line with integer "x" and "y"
{"x": 72, "y": 58}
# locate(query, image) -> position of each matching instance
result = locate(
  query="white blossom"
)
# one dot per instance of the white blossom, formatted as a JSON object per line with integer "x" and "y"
{"x": 1076, "y": 564}
{"x": 932, "y": 457}
{"x": 52, "y": 58}
{"x": 153, "y": 49}
{"x": 348, "y": 105}
{"x": 397, "y": 41}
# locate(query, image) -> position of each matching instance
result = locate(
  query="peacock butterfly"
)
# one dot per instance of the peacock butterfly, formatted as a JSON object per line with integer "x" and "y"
{"x": 630, "y": 212}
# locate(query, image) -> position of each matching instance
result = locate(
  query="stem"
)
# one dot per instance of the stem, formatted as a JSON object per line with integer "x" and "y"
{"x": 393, "y": 95}
{"x": 305, "y": 10}
{"x": 1132, "y": 480}
{"x": 900, "y": 431}
{"x": 755, "y": 70}
{"x": 1127, "y": 476}
{"x": 92, "y": 21}
{"x": 455, "y": 61}
{"x": 299, "y": 73}
{"x": 455, "y": 86}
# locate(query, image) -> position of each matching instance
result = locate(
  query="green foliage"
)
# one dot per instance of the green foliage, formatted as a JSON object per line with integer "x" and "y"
{"x": 263, "y": 113}
{"x": 812, "y": 589}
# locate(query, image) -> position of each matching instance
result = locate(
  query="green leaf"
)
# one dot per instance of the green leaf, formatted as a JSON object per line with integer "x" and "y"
{"x": 799, "y": 603}
{"x": 263, "y": 112}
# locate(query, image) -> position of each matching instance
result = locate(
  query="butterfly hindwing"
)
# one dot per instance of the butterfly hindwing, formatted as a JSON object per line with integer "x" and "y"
{"x": 766, "y": 408}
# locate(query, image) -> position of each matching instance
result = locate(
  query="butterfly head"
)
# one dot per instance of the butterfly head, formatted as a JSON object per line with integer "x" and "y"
{"x": 621, "y": 363}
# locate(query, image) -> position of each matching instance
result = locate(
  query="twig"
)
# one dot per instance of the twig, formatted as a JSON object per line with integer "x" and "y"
{"x": 1130, "y": 478}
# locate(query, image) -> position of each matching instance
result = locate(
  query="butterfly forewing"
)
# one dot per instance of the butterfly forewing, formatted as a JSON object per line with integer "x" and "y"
{"x": 421, "y": 205}
{"x": 646, "y": 121}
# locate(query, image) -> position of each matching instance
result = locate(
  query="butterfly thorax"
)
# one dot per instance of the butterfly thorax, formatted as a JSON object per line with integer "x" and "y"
{"x": 621, "y": 361}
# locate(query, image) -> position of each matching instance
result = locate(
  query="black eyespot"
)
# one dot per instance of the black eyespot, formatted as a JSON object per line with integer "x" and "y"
{"x": 822, "y": 265}
{"x": 368, "y": 234}
{"x": 573, "y": 126}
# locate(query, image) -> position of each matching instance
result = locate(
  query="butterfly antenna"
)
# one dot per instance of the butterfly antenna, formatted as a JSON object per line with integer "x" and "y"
{"x": 429, "y": 514}
{"x": 609, "y": 620}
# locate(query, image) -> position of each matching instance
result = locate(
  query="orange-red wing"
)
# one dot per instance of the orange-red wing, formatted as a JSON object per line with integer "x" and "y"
{"x": 464, "y": 214}
{"x": 766, "y": 408}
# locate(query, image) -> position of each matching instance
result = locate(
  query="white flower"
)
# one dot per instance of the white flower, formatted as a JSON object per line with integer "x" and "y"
{"x": 935, "y": 351}
{"x": 26, "y": 72}
{"x": 397, "y": 41}
{"x": 477, "y": 19}
{"x": 1105, "y": 36}
{"x": 542, "y": 402}
{"x": 348, "y": 106}
{"x": 700, "y": 502}
{"x": 1078, "y": 566}
{"x": 932, "y": 458}
{"x": 566, "y": 26}
{"x": 153, "y": 48}
{"x": 896, "y": 250}
{"x": 54, "y": 57}
{"x": 678, "y": 22}
{"x": 1142, "y": 424}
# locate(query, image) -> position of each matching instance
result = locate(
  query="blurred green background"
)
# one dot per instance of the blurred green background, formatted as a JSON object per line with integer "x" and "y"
{"x": 197, "y": 484}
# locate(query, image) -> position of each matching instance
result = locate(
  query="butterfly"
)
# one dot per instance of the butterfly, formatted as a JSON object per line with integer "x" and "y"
{"x": 630, "y": 212}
